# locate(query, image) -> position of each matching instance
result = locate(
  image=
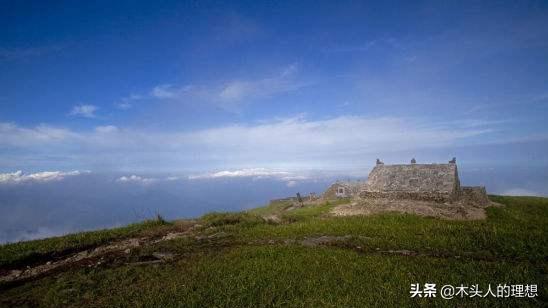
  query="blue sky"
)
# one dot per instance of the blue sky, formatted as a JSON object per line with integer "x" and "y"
{"x": 206, "y": 86}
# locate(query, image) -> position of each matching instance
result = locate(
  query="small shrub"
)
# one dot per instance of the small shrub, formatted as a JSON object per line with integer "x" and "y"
{"x": 160, "y": 219}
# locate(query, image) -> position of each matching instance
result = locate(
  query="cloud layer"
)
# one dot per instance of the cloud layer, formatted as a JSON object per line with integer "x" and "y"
{"x": 46, "y": 176}
{"x": 229, "y": 95}
{"x": 520, "y": 192}
{"x": 281, "y": 142}
{"x": 252, "y": 172}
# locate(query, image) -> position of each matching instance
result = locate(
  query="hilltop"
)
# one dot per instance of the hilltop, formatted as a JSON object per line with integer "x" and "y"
{"x": 285, "y": 255}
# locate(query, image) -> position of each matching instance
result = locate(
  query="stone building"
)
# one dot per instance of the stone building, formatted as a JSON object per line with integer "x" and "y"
{"x": 428, "y": 182}
{"x": 342, "y": 190}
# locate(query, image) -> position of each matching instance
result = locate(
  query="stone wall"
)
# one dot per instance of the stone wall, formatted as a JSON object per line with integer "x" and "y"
{"x": 409, "y": 195}
{"x": 467, "y": 194}
{"x": 474, "y": 195}
{"x": 440, "y": 178}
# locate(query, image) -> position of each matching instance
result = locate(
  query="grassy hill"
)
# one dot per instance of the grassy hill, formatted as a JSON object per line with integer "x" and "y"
{"x": 302, "y": 258}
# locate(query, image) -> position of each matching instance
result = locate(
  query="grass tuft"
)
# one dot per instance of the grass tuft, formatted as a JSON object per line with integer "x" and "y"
{"x": 218, "y": 219}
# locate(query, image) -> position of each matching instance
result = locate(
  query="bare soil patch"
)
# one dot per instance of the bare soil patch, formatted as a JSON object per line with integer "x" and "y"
{"x": 452, "y": 211}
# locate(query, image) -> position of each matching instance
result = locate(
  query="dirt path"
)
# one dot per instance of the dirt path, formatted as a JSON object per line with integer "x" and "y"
{"x": 92, "y": 256}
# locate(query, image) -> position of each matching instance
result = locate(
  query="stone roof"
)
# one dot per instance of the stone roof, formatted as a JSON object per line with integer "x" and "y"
{"x": 440, "y": 178}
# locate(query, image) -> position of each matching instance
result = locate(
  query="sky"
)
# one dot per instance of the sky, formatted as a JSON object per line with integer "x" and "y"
{"x": 263, "y": 87}
{"x": 113, "y": 111}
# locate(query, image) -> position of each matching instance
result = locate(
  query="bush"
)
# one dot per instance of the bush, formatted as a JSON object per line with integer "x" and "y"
{"x": 160, "y": 220}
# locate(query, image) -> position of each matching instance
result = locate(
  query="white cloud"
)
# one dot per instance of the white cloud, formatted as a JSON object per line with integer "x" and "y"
{"x": 86, "y": 111}
{"x": 230, "y": 94}
{"x": 136, "y": 179}
{"x": 127, "y": 102}
{"x": 168, "y": 91}
{"x": 124, "y": 105}
{"x": 252, "y": 172}
{"x": 12, "y": 134}
{"x": 520, "y": 192}
{"x": 235, "y": 90}
{"x": 335, "y": 137}
{"x": 270, "y": 144}
{"x": 164, "y": 91}
{"x": 144, "y": 180}
{"x": 283, "y": 82}
{"x": 256, "y": 173}
{"x": 46, "y": 176}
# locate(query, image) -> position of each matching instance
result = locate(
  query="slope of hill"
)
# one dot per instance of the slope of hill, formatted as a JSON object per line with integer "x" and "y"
{"x": 272, "y": 256}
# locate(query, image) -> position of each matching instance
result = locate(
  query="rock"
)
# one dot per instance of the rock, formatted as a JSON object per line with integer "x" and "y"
{"x": 166, "y": 256}
{"x": 134, "y": 242}
{"x": 16, "y": 273}
{"x": 127, "y": 251}
{"x": 218, "y": 235}
{"x": 171, "y": 236}
{"x": 272, "y": 219}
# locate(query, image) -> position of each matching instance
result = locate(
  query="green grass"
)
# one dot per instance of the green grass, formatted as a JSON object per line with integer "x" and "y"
{"x": 273, "y": 208}
{"x": 273, "y": 276}
{"x": 217, "y": 219}
{"x": 24, "y": 253}
{"x": 518, "y": 230}
{"x": 251, "y": 266}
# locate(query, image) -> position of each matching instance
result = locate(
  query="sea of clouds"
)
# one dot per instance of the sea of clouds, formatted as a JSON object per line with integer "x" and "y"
{"x": 51, "y": 203}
